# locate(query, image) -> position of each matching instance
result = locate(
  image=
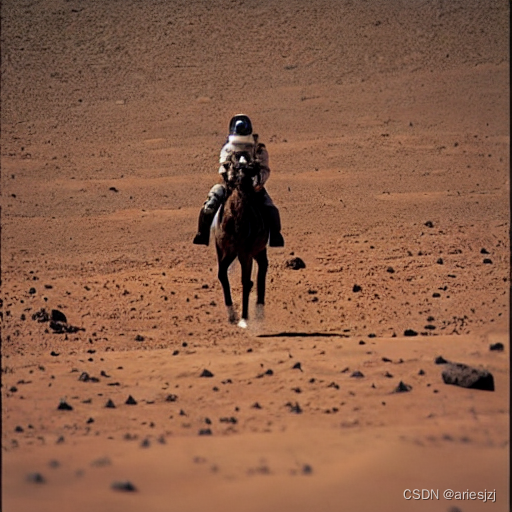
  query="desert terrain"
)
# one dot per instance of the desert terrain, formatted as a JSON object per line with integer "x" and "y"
{"x": 124, "y": 387}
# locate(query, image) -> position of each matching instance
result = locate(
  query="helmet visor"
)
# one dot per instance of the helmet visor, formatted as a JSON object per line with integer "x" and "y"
{"x": 240, "y": 125}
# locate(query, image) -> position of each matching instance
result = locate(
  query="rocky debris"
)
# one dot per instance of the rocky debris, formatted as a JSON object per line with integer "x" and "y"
{"x": 429, "y": 224}
{"x": 110, "y": 404}
{"x": 41, "y": 316}
{"x": 123, "y": 486}
{"x": 440, "y": 360}
{"x": 58, "y": 316}
{"x": 295, "y": 408}
{"x": 459, "y": 374}
{"x": 295, "y": 263}
{"x": 356, "y": 288}
{"x": 171, "y": 398}
{"x": 85, "y": 377}
{"x": 307, "y": 469}
{"x": 205, "y": 432}
{"x": 410, "y": 332}
{"x": 268, "y": 372}
{"x": 498, "y": 347}
{"x": 487, "y": 261}
{"x": 64, "y": 406}
{"x": 206, "y": 373}
{"x": 256, "y": 405}
{"x": 402, "y": 388}
{"x": 139, "y": 338}
{"x": 36, "y": 478}
{"x": 297, "y": 366}
{"x": 131, "y": 401}
{"x": 231, "y": 420}
{"x": 357, "y": 375}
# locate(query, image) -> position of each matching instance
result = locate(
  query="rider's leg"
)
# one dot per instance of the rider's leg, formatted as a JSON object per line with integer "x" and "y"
{"x": 274, "y": 221}
{"x": 215, "y": 198}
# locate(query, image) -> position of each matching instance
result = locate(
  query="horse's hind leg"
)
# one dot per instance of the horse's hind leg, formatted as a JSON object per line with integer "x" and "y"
{"x": 224, "y": 263}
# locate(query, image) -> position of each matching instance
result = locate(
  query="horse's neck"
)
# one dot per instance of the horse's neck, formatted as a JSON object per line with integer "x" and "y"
{"x": 241, "y": 204}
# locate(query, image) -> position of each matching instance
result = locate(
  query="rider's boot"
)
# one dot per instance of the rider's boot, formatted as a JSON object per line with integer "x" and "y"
{"x": 276, "y": 238}
{"x": 207, "y": 213}
{"x": 203, "y": 229}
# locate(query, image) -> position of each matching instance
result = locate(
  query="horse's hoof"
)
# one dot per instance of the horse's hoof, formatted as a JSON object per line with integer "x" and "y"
{"x": 232, "y": 315}
{"x": 242, "y": 324}
{"x": 260, "y": 311}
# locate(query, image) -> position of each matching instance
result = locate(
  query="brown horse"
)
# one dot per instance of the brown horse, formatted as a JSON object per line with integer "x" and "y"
{"x": 241, "y": 231}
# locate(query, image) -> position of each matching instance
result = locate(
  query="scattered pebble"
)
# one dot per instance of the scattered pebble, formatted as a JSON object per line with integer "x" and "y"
{"x": 402, "y": 388}
{"x": 123, "y": 486}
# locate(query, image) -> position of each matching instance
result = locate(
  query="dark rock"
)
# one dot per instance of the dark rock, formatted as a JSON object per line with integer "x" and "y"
{"x": 361, "y": 342}
{"x": 297, "y": 366}
{"x": 110, "y": 404}
{"x": 41, "y": 316}
{"x": 58, "y": 316}
{"x": 113, "y": 189}
{"x": 295, "y": 408}
{"x": 484, "y": 251}
{"x": 18, "y": 429}
{"x": 295, "y": 263}
{"x": 54, "y": 354}
{"x": 429, "y": 224}
{"x": 440, "y": 360}
{"x": 268, "y": 372}
{"x": 356, "y": 288}
{"x": 89, "y": 421}
{"x": 410, "y": 332}
{"x": 436, "y": 295}
{"x": 334, "y": 385}
{"x": 171, "y": 398}
{"x": 64, "y": 406}
{"x": 465, "y": 376}
{"x": 205, "y": 432}
{"x": 497, "y": 346}
{"x": 36, "y": 478}
{"x": 32, "y": 291}
{"x": 391, "y": 270}
{"x": 421, "y": 372}
{"x": 139, "y": 338}
{"x": 231, "y": 420}
{"x": 131, "y": 401}
{"x": 357, "y": 375}
{"x": 440, "y": 261}
{"x": 256, "y": 405}
{"x": 402, "y": 388}
{"x": 487, "y": 261}
{"x": 386, "y": 360}
{"x": 206, "y": 373}
{"x": 307, "y": 469}
{"x": 123, "y": 486}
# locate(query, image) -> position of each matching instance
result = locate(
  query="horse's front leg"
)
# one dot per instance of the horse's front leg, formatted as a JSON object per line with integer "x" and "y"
{"x": 262, "y": 260}
{"x": 246, "y": 264}
{"x": 224, "y": 263}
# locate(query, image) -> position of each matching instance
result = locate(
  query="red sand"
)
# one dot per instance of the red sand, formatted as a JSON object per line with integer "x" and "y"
{"x": 387, "y": 125}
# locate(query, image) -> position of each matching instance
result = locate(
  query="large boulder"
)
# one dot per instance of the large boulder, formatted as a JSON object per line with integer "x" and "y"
{"x": 465, "y": 376}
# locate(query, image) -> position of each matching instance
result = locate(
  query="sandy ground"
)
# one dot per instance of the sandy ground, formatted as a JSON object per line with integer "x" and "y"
{"x": 387, "y": 124}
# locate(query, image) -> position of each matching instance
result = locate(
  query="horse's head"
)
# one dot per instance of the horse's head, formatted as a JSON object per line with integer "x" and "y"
{"x": 242, "y": 171}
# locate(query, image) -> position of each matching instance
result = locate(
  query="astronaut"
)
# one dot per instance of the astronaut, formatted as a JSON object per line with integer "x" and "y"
{"x": 241, "y": 139}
